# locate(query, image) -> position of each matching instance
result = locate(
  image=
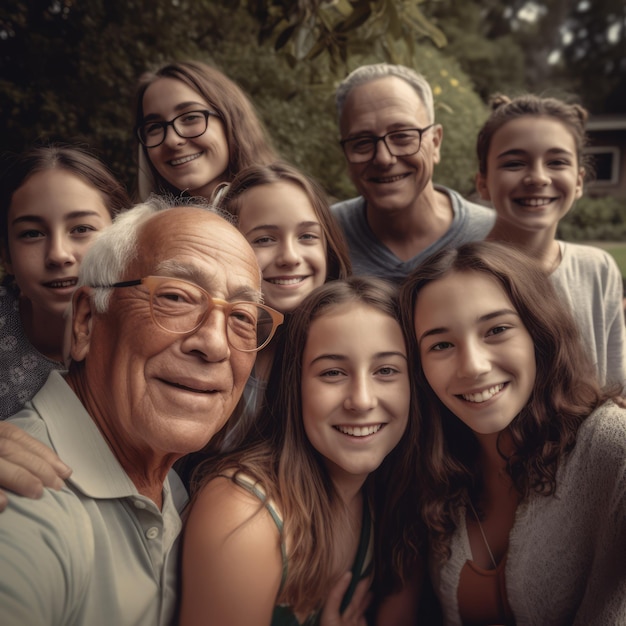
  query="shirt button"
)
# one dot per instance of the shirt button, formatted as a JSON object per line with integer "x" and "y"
{"x": 152, "y": 533}
{"x": 139, "y": 504}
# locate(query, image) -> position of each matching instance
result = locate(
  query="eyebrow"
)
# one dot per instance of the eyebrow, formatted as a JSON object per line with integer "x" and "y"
{"x": 177, "y": 108}
{"x": 343, "y": 358}
{"x": 521, "y": 152}
{"x": 42, "y": 220}
{"x": 175, "y": 269}
{"x": 483, "y": 318}
{"x": 276, "y": 227}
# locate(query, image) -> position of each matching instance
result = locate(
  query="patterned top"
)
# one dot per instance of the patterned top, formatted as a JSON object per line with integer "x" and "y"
{"x": 23, "y": 369}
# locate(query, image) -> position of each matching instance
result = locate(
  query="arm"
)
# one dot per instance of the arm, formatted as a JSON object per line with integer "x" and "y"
{"x": 27, "y": 465}
{"x": 604, "y": 599}
{"x": 231, "y": 560}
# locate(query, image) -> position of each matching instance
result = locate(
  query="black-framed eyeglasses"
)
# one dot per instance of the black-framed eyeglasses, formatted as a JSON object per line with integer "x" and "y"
{"x": 401, "y": 142}
{"x": 187, "y": 125}
{"x": 181, "y": 307}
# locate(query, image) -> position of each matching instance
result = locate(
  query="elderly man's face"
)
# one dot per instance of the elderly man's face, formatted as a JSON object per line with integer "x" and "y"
{"x": 152, "y": 391}
{"x": 390, "y": 183}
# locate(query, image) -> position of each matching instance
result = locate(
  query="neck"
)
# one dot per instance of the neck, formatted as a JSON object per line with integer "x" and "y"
{"x": 541, "y": 245}
{"x": 491, "y": 446}
{"x": 146, "y": 468}
{"x": 45, "y": 331}
{"x": 407, "y": 232}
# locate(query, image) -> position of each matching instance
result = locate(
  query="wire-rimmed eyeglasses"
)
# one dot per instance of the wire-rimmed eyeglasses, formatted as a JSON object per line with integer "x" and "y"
{"x": 187, "y": 125}
{"x": 181, "y": 307}
{"x": 399, "y": 143}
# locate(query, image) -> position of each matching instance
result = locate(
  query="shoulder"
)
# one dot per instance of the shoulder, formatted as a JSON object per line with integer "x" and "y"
{"x": 588, "y": 257}
{"x": 348, "y": 208}
{"x": 53, "y": 532}
{"x": 601, "y": 439}
{"x": 469, "y": 212}
{"x": 222, "y": 506}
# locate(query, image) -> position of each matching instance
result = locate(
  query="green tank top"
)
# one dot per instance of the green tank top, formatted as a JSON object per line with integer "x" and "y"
{"x": 361, "y": 568}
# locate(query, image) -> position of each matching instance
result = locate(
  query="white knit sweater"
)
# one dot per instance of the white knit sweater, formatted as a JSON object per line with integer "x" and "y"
{"x": 566, "y": 561}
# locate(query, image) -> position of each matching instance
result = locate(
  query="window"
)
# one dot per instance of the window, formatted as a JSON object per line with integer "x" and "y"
{"x": 605, "y": 163}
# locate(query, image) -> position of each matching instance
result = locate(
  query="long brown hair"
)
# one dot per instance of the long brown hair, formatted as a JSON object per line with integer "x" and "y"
{"x": 565, "y": 391}
{"x": 292, "y": 473}
{"x": 248, "y": 141}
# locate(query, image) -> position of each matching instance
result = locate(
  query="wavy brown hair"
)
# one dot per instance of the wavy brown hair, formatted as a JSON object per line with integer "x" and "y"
{"x": 337, "y": 255}
{"x": 565, "y": 391}
{"x": 248, "y": 141}
{"x": 293, "y": 473}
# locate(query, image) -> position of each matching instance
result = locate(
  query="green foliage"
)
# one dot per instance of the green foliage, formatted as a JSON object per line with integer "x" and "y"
{"x": 595, "y": 219}
{"x": 68, "y": 72}
{"x": 307, "y": 29}
{"x": 461, "y": 112}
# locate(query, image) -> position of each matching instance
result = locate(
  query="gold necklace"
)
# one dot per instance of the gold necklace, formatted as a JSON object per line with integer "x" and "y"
{"x": 482, "y": 532}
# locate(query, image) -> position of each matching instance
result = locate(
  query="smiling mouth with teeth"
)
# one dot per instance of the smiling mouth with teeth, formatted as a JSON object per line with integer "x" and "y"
{"x": 388, "y": 179}
{"x": 61, "y": 284}
{"x": 359, "y": 431}
{"x": 185, "y": 159}
{"x": 534, "y": 202}
{"x": 482, "y": 396}
{"x": 286, "y": 281}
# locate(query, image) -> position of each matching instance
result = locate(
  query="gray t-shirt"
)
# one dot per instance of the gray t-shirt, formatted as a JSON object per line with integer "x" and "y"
{"x": 470, "y": 222}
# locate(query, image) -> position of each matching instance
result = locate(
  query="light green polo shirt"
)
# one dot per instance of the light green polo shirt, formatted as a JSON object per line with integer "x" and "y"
{"x": 97, "y": 552}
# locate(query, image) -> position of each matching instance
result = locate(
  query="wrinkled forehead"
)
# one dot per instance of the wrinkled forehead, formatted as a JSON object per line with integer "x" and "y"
{"x": 198, "y": 245}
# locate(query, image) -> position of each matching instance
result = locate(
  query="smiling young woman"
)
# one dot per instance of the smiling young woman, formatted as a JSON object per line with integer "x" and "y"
{"x": 522, "y": 455}
{"x": 54, "y": 202}
{"x": 196, "y": 129}
{"x": 280, "y": 527}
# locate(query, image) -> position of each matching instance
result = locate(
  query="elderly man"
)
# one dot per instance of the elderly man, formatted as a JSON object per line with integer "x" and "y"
{"x": 392, "y": 143}
{"x": 166, "y": 323}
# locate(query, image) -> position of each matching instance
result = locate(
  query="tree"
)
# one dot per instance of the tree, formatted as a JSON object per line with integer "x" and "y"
{"x": 69, "y": 69}
{"x": 555, "y": 46}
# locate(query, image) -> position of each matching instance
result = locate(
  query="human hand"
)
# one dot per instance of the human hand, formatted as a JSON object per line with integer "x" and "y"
{"x": 354, "y": 613}
{"x": 27, "y": 465}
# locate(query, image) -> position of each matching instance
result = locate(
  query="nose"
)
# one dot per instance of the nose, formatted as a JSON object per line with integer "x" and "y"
{"x": 59, "y": 251}
{"x": 382, "y": 154}
{"x": 172, "y": 138}
{"x": 537, "y": 176}
{"x": 473, "y": 360}
{"x": 209, "y": 341}
{"x": 361, "y": 395}
{"x": 289, "y": 254}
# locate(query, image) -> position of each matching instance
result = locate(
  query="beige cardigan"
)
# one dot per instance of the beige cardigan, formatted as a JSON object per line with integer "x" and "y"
{"x": 566, "y": 562}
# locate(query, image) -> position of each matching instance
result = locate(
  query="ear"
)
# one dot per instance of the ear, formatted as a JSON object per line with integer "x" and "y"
{"x": 579, "y": 182}
{"x": 481, "y": 186}
{"x": 81, "y": 323}
{"x": 437, "y": 140}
